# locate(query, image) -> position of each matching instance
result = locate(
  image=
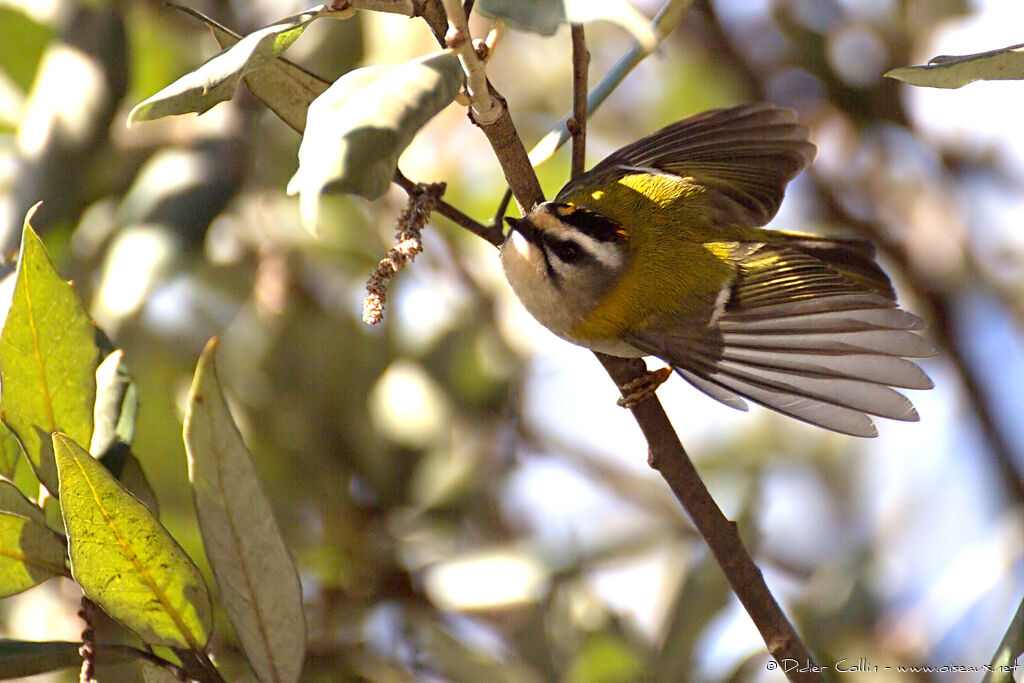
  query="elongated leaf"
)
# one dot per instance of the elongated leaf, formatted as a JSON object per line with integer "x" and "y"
{"x": 47, "y": 360}
{"x": 10, "y": 451}
{"x": 126, "y": 468}
{"x": 284, "y": 87}
{"x": 29, "y": 554}
{"x": 945, "y": 71}
{"x": 13, "y": 500}
{"x": 545, "y": 16}
{"x": 258, "y": 583}
{"x": 217, "y": 79}
{"x": 20, "y": 658}
{"x": 357, "y": 129}
{"x": 124, "y": 559}
{"x": 112, "y": 382}
{"x": 1004, "y": 661}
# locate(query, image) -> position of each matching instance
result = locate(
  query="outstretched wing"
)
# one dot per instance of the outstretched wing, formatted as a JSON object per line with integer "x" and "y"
{"x": 811, "y": 329}
{"x": 744, "y": 156}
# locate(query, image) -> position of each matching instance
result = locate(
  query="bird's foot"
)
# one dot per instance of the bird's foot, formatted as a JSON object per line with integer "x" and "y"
{"x": 643, "y": 387}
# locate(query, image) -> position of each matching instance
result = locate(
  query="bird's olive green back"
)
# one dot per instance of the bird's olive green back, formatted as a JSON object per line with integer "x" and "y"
{"x": 670, "y": 270}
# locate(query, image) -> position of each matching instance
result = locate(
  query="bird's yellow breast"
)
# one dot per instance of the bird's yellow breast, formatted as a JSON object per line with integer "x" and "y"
{"x": 671, "y": 270}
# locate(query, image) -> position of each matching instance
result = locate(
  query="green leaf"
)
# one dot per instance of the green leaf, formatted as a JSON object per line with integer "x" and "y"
{"x": 217, "y": 79}
{"x": 357, "y": 129}
{"x": 29, "y": 554}
{"x": 945, "y": 71}
{"x": 124, "y": 559}
{"x": 284, "y": 87}
{"x": 13, "y": 500}
{"x": 25, "y": 41}
{"x": 545, "y": 16}
{"x": 48, "y": 360}
{"x": 10, "y": 451}
{"x": 258, "y": 583}
{"x": 126, "y": 468}
{"x": 20, "y": 658}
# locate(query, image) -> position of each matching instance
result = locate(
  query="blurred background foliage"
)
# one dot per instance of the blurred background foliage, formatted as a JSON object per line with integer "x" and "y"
{"x": 463, "y": 498}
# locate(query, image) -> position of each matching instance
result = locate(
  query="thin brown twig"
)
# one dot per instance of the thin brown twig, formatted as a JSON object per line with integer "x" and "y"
{"x": 490, "y": 233}
{"x": 577, "y": 125}
{"x": 499, "y": 213}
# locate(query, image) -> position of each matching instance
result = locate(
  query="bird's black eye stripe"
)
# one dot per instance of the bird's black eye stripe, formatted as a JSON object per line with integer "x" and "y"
{"x": 592, "y": 224}
{"x": 567, "y": 251}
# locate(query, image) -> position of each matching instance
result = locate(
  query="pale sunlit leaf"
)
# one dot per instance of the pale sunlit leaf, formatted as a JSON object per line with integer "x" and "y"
{"x": 112, "y": 382}
{"x": 258, "y": 583}
{"x": 284, "y": 87}
{"x": 357, "y": 129}
{"x": 945, "y": 71}
{"x": 217, "y": 79}
{"x": 545, "y": 16}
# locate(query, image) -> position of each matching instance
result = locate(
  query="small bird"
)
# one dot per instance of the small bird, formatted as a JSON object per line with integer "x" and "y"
{"x": 657, "y": 251}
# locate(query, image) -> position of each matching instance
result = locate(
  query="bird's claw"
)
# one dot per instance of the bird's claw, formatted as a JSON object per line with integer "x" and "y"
{"x": 643, "y": 387}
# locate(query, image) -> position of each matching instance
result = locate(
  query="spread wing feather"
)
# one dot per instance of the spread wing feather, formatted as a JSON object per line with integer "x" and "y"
{"x": 744, "y": 156}
{"x": 820, "y": 341}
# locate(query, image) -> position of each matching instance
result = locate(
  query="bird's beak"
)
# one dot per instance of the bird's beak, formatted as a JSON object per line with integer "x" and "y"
{"x": 525, "y": 228}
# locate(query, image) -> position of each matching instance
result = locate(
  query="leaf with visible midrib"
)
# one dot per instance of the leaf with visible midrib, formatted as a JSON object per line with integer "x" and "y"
{"x": 13, "y": 500}
{"x": 955, "y": 71}
{"x": 48, "y": 360}
{"x": 357, "y": 129}
{"x": 29, "y": 554}
{"x": 217, "y": 79}
{"x": 284, "y": 87}
{"x": 258, "y": 583}
{"x": 124, "y": 559}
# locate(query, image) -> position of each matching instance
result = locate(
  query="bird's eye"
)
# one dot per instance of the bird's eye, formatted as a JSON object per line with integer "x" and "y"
{"x": 567, "y": 252}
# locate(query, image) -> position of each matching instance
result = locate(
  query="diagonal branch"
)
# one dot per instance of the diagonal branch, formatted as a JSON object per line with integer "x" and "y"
{"x": 667, "y": 455}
